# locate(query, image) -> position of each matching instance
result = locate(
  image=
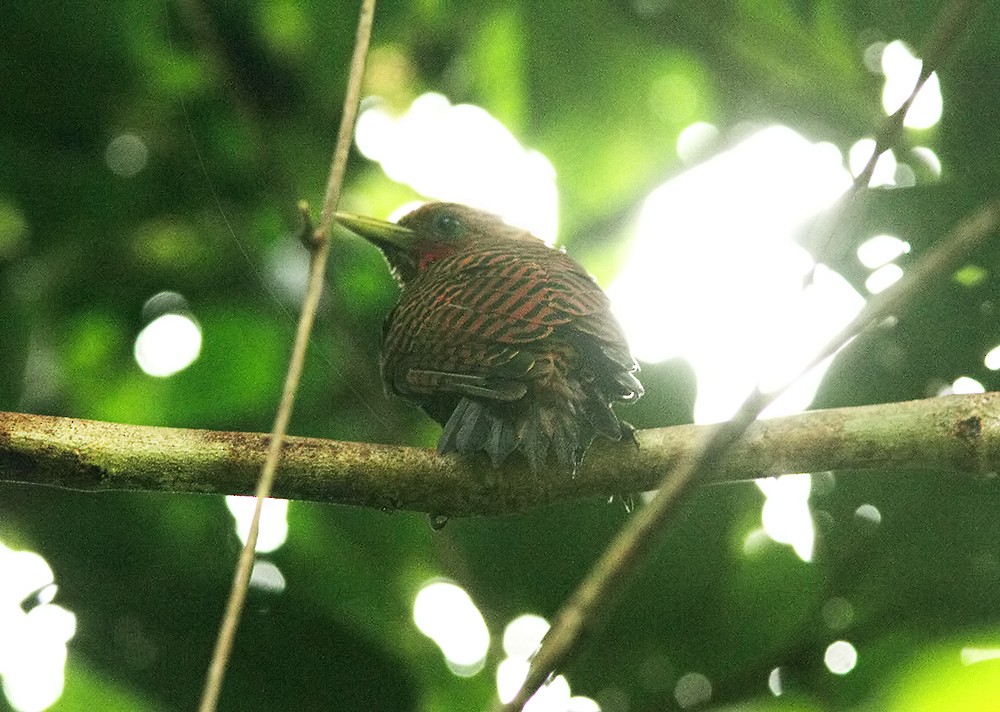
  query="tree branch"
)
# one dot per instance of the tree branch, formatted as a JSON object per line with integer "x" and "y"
{"x": 957, "y": 434}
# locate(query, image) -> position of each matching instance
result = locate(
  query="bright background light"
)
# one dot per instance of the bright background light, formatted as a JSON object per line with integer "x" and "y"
{"x": 880, "y": 249}
{"x": 523, "y": 636}
{"x": 695, "y": 140}
{"x": 266, "y": 576}
{"x": 521, "y": 639}
{"x": 715, "y": 277}
{"x": 971, "y": 656}
{"x": 992, "y": 359}
{"x": 869, "y": 513}
{"x": 883, "y": 278}
{"x": 774, "y": 682}
{"x": 446, "y": 614}
{"x": 32, "y": 638}
{"x": 273, "y": 529}
{"x": 786, "y": 515}
{"x": 840, "y": 657}
{"x": 885, "y": 167}
{"x": 929, "y": 158}
{"x": 963, "y": 385}
{"x": 170, "y": 343}
{"x": 460, "y": 153}
{"x": 902, "y": 70}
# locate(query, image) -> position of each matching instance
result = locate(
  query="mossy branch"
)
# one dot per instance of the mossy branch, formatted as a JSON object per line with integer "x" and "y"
{"x": 953, "y": 434}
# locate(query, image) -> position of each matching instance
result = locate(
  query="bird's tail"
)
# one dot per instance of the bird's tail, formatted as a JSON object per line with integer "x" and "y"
{"x": 533, "y": 428}
{"x": 476, "y": 426}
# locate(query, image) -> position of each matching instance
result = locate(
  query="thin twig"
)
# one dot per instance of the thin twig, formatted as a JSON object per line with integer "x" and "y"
{"x": 608, "y": 576}
{"x": 952, "y": 19}
{"x": 317, "y": 271}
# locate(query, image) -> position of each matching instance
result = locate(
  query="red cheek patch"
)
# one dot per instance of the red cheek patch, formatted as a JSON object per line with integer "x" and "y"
{"x": 431, "y": 253}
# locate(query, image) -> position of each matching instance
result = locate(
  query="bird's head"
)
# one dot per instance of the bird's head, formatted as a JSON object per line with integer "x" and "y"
{"x": 430, "y": 232}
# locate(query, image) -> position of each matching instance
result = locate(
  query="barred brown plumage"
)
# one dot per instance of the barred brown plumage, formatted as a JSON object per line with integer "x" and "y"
{"x": 506, "y": 342}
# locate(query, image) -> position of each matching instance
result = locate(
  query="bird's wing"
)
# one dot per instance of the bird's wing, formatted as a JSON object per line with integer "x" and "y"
{"x": 472, "y": 329}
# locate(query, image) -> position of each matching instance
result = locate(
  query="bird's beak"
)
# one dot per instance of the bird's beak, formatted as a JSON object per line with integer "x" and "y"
{"x": 379, "y": 232}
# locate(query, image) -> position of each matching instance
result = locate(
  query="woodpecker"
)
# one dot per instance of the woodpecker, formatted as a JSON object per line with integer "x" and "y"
{"x": 507, "y": 343}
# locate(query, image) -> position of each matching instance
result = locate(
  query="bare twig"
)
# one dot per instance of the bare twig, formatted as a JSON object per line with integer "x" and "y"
{"x": 317, "y": 270}
{"x": 953, "y": 434}
{"x": 952, "y": 19}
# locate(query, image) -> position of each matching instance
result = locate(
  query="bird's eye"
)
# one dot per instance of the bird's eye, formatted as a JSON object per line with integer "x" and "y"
{"x": 447, "y": 225}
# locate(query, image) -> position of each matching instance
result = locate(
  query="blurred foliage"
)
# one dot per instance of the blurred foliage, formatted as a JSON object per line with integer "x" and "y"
{"x": 237, "y": 104}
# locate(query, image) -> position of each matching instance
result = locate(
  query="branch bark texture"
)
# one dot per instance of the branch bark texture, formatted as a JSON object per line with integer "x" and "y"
{"x": 957, "y": 434}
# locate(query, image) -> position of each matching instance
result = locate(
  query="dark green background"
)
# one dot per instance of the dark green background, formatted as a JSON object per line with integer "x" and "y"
{"x": 240, "y": 120}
